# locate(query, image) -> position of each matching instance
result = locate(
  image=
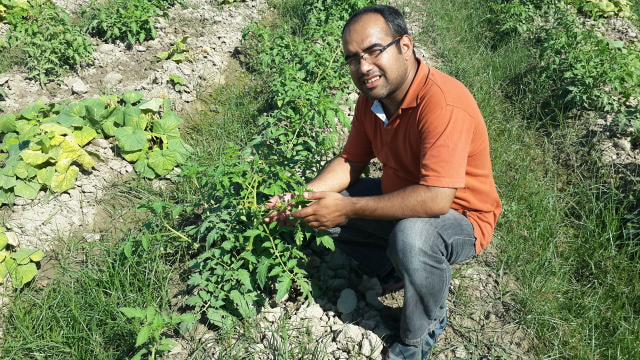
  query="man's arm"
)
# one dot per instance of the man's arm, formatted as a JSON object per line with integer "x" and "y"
{"x": 329, "y": 209}
{"x": 337, "y": 175}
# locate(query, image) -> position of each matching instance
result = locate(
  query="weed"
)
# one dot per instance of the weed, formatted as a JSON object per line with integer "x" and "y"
{"x": 48, "y": 40}
{"x": 150, "y": 338}
{"x": 122, "y": 20}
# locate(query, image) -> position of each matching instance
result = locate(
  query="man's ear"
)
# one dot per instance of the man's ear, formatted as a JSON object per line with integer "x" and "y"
{"x": 406, "y": 44}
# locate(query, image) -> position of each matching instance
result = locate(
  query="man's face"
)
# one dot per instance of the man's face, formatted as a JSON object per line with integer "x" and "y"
{"x": 381, "y": 74}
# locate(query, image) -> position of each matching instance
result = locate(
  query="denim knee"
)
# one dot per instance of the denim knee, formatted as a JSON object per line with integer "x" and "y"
{"x": 414, "y": 239}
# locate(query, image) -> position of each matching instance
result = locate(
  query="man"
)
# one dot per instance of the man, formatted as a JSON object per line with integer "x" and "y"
{"x": 436, "y": 203}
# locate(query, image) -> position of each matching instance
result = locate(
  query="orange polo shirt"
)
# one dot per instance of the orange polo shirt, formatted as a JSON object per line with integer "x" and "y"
{"x": 438, "y": 138}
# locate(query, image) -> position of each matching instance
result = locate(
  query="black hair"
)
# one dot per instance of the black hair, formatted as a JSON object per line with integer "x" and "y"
{"x": 392, "y": 16}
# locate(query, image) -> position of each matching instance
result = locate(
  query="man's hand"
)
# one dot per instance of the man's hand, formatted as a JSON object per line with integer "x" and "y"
{"x": 326, "y": 210}
{"x": 282, "y": 206}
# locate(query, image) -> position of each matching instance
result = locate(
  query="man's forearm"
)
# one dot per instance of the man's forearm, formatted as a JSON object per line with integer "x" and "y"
{"x": 412, "y": 201}
{"x": 337, "y": 175}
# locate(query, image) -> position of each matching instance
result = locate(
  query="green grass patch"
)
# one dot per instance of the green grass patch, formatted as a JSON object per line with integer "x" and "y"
{"x": 562, "y": 231}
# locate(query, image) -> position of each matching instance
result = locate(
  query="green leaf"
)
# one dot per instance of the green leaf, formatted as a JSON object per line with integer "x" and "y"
{"x": 94, "y": 107}
{"x": 168, "y": 125}
{"x": 84, "y": 135}
{"x": 133, "y": 156}
{"x": 252, "y": 232}
{"x": 22, "y": 274}
{"x": 143, "y": 335}
{"x": 152, "y": 105}
{"x": 4, "y": 240}
{"x": 244, "y": 277}
{"x": 57, "y": 129}
{"x": 262, "y": 273}
{"x": 181, "y": 149}
{"x": 284, "y": 285}
{"x": 242, "y": 305}
{"x": 34, "y": 158}
{"x": 25, "y": 256}
{"x": 138, "y": 122}
{"x": 64, "y": 180}
{"x": 142, "y": 168}
{"x": 132, "y": 97}
{"x": 325, "y": 240}
{"x": 7, "y": 182}
{"x": 8, "y": 123}
{"x": 131, "y": 114}
{"x": 73, "y": 151}
{"x": 116, "y": 117}
{"x": 27, "y": 189}
{"x": 163, "y": 161}
{"x": 130, "y": 139}
{"x": 33, "y": 111}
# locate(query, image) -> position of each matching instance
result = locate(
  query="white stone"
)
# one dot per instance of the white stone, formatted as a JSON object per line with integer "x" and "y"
{"x": 347, "y": 301}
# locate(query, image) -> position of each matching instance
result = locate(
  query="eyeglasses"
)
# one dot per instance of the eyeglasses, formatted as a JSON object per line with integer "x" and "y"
{"x": 369, "y": 55}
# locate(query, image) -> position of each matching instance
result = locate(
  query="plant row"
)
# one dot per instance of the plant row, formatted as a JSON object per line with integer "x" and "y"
{"x": 584, "y": 70}
{"x": 241, "y": 261}
{"x": 52, "y": 42}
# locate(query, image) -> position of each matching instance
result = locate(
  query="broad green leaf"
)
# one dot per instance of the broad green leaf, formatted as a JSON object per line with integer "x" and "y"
{"x": 139, "y": 121}
{"x": 109, "y": 128}
{"x": 84, "y": 135}
{"x": 22, "y": 274}
{"x": 130, "y": 139}
{"x": 45, "y": 175}
{"x": 3, "y": 268}
{"x": 4, "y": 240}
{"x": 168, "y": 125}
{"x": 7, "y": 182}
{"x": 7, "y": 196}
{"x": 75, "y": 109}
{"x": 131, "y": 114}
{"x": 94, "y": 107}
{"x": 116, "y": 117}
{"x": 73, "y": 151}
{"x": 163, "y": 161}
{"x": 24, "y": 170}
{"x": 34, "y": 158}
{"x": 68, "y": 120}
{"x": 142, "y": 168}
{"x": 27, "y": 189}
{"x": 143, "y": 335}
{"x": 152, "y": 105}
{"x": 64, "y": 180}
{"x": 131, "y": 97}
{"x": 33, "y": 111}
{"x": 7, "y": 123}
{"x": 133, "y": 156}
{"x": 55, "y": 128}
{"x": 181, "y": 148}
{"x": 24, "y": 256}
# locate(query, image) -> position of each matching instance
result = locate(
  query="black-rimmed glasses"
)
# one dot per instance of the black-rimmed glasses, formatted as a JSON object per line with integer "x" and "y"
{"x": 354, "y": 60}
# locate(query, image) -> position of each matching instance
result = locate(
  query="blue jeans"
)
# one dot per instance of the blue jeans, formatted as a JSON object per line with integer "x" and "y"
{"x": 422, "y": 251}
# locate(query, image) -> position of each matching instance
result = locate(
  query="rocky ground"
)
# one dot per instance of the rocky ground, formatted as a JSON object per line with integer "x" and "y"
{"x": 352, "y": 319}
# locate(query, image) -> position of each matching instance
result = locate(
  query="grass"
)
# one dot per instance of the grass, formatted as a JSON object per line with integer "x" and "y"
{"x": 561, "y": 233}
